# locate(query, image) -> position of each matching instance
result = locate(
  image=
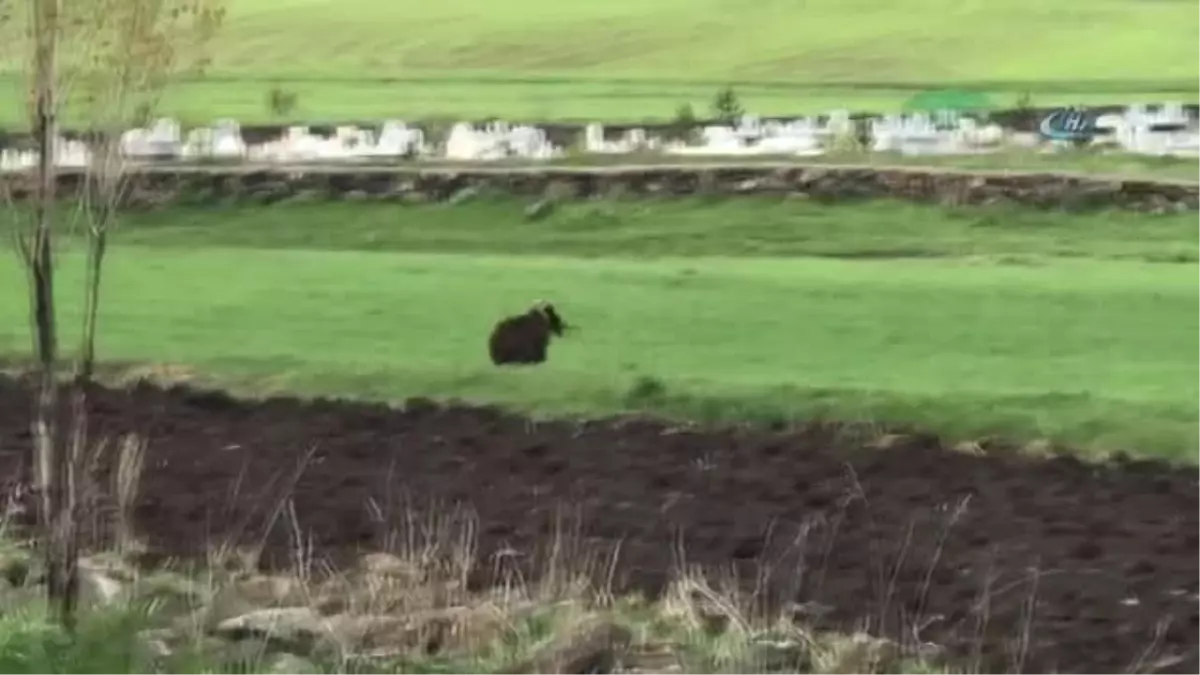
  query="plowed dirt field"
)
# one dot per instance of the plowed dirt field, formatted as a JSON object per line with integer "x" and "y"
{"x": 1095, "y": 565}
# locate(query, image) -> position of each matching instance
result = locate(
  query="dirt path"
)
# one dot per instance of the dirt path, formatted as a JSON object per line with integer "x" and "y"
{"x": 1098, "y": 563}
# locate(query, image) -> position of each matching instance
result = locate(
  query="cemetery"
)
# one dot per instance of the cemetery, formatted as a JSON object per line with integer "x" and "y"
{"x": 1163, "y": 130}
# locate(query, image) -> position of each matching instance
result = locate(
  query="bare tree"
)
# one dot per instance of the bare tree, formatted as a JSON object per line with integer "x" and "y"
{"x": 33, "y": 237}
{"x": 109, "y": 62}
{"x": 116, "y": 69}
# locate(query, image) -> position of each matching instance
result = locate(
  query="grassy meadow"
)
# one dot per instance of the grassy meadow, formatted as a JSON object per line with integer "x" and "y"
{"x": 628, "y": 59}
{"x": 1031, "y": 324}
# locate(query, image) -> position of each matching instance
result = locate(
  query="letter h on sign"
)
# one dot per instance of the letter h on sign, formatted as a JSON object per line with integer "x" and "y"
{"x": 1074, "y": 122}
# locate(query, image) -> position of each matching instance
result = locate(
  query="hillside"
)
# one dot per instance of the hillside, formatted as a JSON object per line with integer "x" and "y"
{"x": 816, "y": 41}
{"x": 631, "y": 59}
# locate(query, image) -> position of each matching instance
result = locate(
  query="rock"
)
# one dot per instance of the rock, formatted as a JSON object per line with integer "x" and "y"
{"x": 430, "y": 632}
{"x": 888, "y": 441}
{"x": 388, "y": 565}
{"x": 356, "y": 633}
{"x": 592, "y": 647}
{"x": 969, "y": 448}
{"x": 97, "y": 588}
{"x": 290, "y": 664}
{"x": 240, "y": 596}
{"x": 857, "y": 653}
{"x": 464, "y": 195}
{"x": 652, "y": 658}
{"x": 174, "y": 594}
{"x": 303, "y": 630}
{"x": 295, "y": 627}
{"x": 156, "y": 643}
{"x": 780, "y": 656}
{"x": 540, "y": 209}
{"x": 238, "y": 656}
{"x": 1038, "y": 448}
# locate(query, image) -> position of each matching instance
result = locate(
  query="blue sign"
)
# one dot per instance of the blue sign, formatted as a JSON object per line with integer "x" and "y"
{"x": 1069, "y": 124}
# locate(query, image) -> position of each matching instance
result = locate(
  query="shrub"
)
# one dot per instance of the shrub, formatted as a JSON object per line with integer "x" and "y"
{"x": 726, "y": 106}
{"x": 645, "y": 390}
{"x": 683, "y": 126}
{"x": 280, "y": 101}
{"x": 1025, "y": 115}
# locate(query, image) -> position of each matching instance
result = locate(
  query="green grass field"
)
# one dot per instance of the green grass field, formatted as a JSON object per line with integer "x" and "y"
{"x": 629, "y": 59}
{"x": 1076, "y": 328}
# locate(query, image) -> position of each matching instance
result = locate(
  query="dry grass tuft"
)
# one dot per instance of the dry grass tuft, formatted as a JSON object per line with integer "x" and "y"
{"x": 414, "y": 609}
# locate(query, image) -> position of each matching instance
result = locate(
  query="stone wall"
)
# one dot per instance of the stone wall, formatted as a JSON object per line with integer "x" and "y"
{"x": 222, "y": 185}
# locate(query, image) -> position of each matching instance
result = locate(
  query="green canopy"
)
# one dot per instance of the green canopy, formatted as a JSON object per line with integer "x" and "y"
{"x": 949, "y": 99}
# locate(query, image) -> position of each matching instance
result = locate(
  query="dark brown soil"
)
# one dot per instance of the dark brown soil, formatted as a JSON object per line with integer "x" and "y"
{"x": 1030, "y": 565}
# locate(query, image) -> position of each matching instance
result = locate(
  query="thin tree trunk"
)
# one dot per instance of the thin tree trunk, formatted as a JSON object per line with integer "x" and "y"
{"x": 97, "y": 246}
{"x": 56, "y": 513}
{"x": 85, "y": 369}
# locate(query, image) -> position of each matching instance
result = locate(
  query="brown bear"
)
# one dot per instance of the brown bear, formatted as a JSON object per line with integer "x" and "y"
{"x": 523, "y": 339}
